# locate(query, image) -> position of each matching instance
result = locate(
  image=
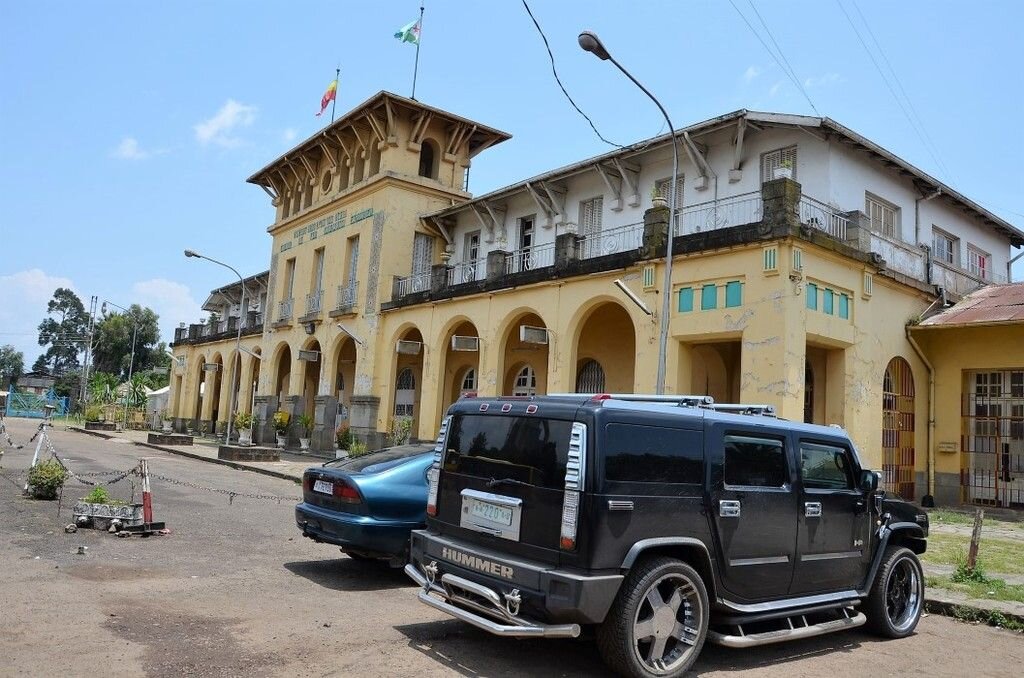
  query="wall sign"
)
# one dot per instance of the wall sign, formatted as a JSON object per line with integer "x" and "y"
{"x": 322, "y": 226}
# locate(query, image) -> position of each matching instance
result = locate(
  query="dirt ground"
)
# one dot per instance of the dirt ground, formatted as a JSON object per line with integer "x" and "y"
{"x": 236, "y": 591}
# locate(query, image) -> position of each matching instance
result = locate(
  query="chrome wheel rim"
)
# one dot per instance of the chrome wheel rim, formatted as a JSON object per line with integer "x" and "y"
{"x": 667, "y": 624}
{"x": 903, "y": 594}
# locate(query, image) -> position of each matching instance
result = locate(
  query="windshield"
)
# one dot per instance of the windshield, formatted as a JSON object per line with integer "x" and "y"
{"x": 380, "y": 460}
{"x": 531, "y": 450}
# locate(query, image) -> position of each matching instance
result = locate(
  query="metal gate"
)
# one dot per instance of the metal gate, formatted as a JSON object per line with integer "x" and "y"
{"x": 898, "y": 428}
{"x": 992, "y": 438}
{"x": 31, "y": 404}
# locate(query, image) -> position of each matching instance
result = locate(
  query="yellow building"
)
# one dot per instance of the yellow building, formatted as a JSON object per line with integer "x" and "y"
{"x": 801, "y": 253}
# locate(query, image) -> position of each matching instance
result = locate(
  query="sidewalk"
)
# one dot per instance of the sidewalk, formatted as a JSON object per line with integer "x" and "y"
{"x": 290, "y": 467}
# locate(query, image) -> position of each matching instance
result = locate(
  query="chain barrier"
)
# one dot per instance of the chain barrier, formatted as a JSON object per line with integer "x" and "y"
{"x": 7, "y": 436}
{"x": 231, "y": 494}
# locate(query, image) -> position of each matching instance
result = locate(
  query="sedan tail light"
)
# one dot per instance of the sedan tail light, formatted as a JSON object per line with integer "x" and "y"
{"x": 434, "y": 474}
{"x": 346, "y": 492}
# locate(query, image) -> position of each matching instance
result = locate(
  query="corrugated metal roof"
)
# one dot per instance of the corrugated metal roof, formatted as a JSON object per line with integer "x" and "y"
{"x": 991, "y": 304}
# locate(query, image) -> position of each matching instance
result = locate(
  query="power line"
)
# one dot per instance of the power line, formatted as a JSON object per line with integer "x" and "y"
{"x": 782, "y": 54}
{"x": 791, "y": 75}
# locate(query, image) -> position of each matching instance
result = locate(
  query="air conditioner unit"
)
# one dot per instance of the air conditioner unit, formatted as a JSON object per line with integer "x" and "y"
{"x": 309, "y": 356}
{"x": 533, "y": 335}
{"x": 211, "y": 367}
{"x": 408, "y": 347}
{"x": 460, "y": 343}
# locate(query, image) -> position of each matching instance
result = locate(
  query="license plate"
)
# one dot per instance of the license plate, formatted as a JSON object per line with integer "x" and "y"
{"x": 323, "y": 487}
{"x": 491, "y": 512}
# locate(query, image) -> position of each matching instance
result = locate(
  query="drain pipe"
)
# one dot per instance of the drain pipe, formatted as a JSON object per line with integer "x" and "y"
{"x": 928, "y": 501}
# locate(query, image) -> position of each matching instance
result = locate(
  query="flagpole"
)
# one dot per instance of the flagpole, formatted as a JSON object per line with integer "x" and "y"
{"x": 416, "y": 67}
{"x": 337, "y": 84}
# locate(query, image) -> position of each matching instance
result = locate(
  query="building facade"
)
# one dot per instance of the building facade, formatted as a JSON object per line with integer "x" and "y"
{"x": 801, "y": 252}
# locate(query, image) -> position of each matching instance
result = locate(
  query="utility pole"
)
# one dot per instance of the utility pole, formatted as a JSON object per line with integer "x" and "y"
{"x": 84, "y": 392}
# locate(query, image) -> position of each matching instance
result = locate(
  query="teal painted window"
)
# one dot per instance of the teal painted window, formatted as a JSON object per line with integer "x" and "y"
{"x": 708, "y": 297}
{"x": 686, "y": 300}
{"x": 827, "y": 301}
{"x": 733, "y": 294}
{"x": 844, "y": 306}
{"x": 812, "y": 296}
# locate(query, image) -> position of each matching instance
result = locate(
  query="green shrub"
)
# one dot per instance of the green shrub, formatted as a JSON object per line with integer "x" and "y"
{"x": 98, "y": 495}
{"x": 94, "y": 413}
{"x": 401, "y": 430}
{"x": 964, "y": 574}
{"x": 357, "y": 449}
{"x": 243, "y": 420}
{"x": 306, "y": 422}
{"x": 344, "y": 437}
{"x": 46, "y": 478}
{"x": 281, "y": 421}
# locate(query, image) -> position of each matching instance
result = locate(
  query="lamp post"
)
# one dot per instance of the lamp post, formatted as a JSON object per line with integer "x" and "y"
{"x": 131, "y": 365}
{"x": 591, "y": 43}
{"x": 238, "y": 340}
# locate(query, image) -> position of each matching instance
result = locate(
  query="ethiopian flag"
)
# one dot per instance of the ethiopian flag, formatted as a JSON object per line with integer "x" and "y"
{"x": 328, "y": 97}
{"x": 410, "y": 32}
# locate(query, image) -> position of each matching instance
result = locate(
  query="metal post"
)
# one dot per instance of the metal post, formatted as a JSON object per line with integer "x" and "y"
{"x": 42, "y": 436}
{"x": 131, "y": 366}
{"x": 416, "y": 66}
{"x": 147, "y": 494}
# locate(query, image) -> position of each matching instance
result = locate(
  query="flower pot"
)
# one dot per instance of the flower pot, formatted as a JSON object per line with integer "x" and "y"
{"x": 245, "y": 437}
{"x": 168, "y": 426}
{"x": 782, "y": 173}
{"x": 304, "y": 444}
{"x": 341, "y": 454}
{"x": 280, "y": 440}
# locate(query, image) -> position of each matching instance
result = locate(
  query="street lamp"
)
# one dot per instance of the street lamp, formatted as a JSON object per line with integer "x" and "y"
{"x": 591, "y": 43}
{"x": 131, "y": 365}
{"x": 192, "y": 254}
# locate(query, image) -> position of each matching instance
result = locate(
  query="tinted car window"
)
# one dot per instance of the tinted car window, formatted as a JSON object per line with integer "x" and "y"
{"x": 825, "y": 467}
{"x": 376, "y": 462}
{"x": 528, "y": 449}
{"x": 755, "y": 462}
{"x": 652, "y": 454}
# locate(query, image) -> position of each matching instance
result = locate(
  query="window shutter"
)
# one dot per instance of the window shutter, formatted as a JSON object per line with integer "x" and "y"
{"x": 774, "y": 159}
{"x": 422, "y": 253}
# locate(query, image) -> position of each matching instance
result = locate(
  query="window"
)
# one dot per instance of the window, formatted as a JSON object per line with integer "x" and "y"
{"x": 771, "y": 259}
{"x": 812, "y": 296}
{"x": 661, "y": 187}
{"x": 1017, "y": 384}
{"x": 526, "y": 234}
{"x": 353, "y": 259}
{"x": 653, "y": 454}
{"x": 471, "y": 247}
{"x": 469, "y": 381}
{"x": 590, "y": 378}
{"x": 526, "y": 382}
{"x": 422, "y": 253}
{"x": 428, "y": 159}
{"x": 733, "y": 294}
{"x": 590, "y": 226}
{"x": 318, "y": 270}
{"x": 988, "y": 384}
{"x": 708, "y": 297}
{"x": 827, "y": 300}
{"x": 825, "y": 467}
{"x": 686, "y": 300}
{"x": 944, "y": 247}
{"x": 978, "y": 263}
{"x": 884, "y": 216}
{"x": 755, "y": 462}
{"x": 844, "y": 306}
{"x": 405, "y": 393}
{"x": 798, "y": 259}
{"x": 773, "y": 160}
{"x": 289, "y": 278}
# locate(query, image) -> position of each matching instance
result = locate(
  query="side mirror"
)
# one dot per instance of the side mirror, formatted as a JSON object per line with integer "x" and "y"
{"x": 868, "y": 481}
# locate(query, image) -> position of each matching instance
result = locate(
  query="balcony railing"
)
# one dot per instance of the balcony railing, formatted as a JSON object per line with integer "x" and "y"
{"x": 823, "y": 217}
{"x": 180, "y": 334}
{"x": 464, "y": 272}
{"x": 530, "y": 258}
{"x": 284, "y": 309}
{"x": 207, "y": 329}
{"x": 314, "y": 301}
{"x": 612, "y": 241}
{"x": 737, "y": 210}
{"x": 418, "y": 282}
{"x": 347, "y": 296}
{"x": 900, "y": 257}
{"x": 960, "y": 282}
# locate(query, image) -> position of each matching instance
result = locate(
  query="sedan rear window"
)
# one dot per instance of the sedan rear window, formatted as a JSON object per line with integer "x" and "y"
{"x": 531, "y": 450}
{"x": 381, "y": 460}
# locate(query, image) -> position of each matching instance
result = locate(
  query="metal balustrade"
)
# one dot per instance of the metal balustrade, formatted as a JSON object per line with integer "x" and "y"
{"x": 347, "y": 295}
{"x": 530, "y": 258}
{"x": 817, "y": 214}
{"x": 313, "y": 302}
{"x": 464, "y": 272}
{"x": 715, "y": 214}
{"x": 612, "y": 241}
{"x": 960, "y": 281}
{"x": 420, "y": 282}
{"x": 284, "y": 309}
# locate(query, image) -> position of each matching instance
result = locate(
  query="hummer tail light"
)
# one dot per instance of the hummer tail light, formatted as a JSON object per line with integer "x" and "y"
{"x": 575, "y": 476}
{"x": 434, "y": 474}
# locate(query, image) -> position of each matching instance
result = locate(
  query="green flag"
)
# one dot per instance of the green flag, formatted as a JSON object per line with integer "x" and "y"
{"x": 409, "y": 32}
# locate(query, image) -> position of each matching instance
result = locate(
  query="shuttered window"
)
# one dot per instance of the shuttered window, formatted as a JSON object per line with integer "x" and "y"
{"x": 884, "y": 216}
{"x": 661, "y": 187}
{"x": 775, "y": 159}
{"x": 422, "y": 253}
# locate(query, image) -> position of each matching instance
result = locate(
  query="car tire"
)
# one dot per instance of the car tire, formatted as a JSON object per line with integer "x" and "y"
{"x": 649, "y": 631}
{"x": 894, "y": 605}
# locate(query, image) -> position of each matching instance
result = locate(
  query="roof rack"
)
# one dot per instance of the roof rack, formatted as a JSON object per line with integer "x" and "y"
{"x": 741, "y": 408}
{"x": 681, "y": 400}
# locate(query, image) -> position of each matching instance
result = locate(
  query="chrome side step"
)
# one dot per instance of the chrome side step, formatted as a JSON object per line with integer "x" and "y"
{"x": 800, "y": 629}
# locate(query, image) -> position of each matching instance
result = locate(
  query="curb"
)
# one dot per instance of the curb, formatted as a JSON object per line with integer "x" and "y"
{"x": 972, "y": 613}
{"x": 198, "y": 457}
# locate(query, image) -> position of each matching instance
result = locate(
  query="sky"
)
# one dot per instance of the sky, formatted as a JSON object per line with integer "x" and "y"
{"x": 127, "y": 129}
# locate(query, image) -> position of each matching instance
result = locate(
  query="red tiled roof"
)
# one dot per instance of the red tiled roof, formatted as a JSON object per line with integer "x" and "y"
{"x": 991, "y": 304}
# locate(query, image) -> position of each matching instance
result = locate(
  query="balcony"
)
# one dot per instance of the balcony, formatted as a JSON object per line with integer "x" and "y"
{"x": 284, "y": 310}
{"x": 418, "y": 282}
{"x": 817, "y": 214}
{"x": 530, "y": 258}
{"x": 346, "y": 300}
{"x": 712, "y": 215}
{"x": 612, "y": 241}
{"x": 465, "y": 272}
{"x": 201, "y": 333}
{"x": 314, "y": 302}
{"x": 958, "y": 281}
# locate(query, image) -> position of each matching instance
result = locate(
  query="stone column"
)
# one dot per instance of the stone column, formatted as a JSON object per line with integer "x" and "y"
{"x": 780, "y": 200}
{"x": 294, "y": 405}
{"x": 206, "y": 411}
{"x": 263, "y": 409}
{"x": 438, "y": 278}
{"x": 226, "y": 383}
{"x": 325, "y": 411}
{"x": 858, "y": 230}
{"x": 567, "y": 251}
{"x": 773, "y": 356}
{"x": 244, "y": 403}
{"x": 363, "y": 421}
{"x": 655, "y": 230}
{"x": 496, "y": 265}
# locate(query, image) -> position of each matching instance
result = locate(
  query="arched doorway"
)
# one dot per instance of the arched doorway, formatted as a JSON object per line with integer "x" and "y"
{"x": 525, "y": 344}
{"x": 235, "y": 382}
{"x": 282, "y": 374}
{"x": 215, "y": 383}
{"x": 200, "y": 381}
{"x": 311, "y": 360}
{"x": 408, "y": 381}
{"x": 254, "y": 374}
{"x": 898, "y": 462}
{"x": 461, "y": 361}
{"x": 606, "y": 349}
{"x": 344, "y": 377}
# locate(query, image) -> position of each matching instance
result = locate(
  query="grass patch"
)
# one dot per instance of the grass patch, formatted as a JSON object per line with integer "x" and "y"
{"x": 1001, "y": 556}
{"x": 991, "y": 589}
{"x": 948, "y": 517}
{"x": 973, "y": 616}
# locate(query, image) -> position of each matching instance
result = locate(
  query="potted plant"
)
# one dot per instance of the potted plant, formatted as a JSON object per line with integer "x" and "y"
{"x": 784, "y": 170}
{"x": 343, "y": 437}
{"x": 243, "y": 424}
{"x": 103, "y": 512}
{"x": 281, "y": 421}
{"x": 46, "y": 478}
{"x": 306, "y": 424}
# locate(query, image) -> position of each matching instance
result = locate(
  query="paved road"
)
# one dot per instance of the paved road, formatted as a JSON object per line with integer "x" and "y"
{"x": 235, "y": 591}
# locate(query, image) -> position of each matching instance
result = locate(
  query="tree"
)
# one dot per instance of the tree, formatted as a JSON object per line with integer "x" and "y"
{"x": 113, "y": 337}
{"x": 12, "y": 365}
{"x": 62, "y": 332}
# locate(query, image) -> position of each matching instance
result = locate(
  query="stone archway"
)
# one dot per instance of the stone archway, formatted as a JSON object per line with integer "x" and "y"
{"x": 312, "y": 360}
{"x": 408, "y": 380}
{"x": 461, "y": 362}
{"x": 898, "y": 453}
{"x": 524, "y": 344}
{"x": 282, "y": 372}
{"x": 200, "y": 386}
{"x": 605, "y": 351}
{"x": 344, "y": 376}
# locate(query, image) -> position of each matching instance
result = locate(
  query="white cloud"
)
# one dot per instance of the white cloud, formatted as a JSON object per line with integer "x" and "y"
{"x": 751, "y": 73}
{"x": 25, "y": 295}
{"x": 172, "y": 301}
{"x": 129, "y": 149}
{"x": 218, "y": 129}
{"x": 289, "y": 135}
{"x": 822, "y": 80}
{"x": 775, "y": 89}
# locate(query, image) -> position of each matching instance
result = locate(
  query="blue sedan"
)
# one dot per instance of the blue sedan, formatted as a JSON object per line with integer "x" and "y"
{"x": 367, "y": 505}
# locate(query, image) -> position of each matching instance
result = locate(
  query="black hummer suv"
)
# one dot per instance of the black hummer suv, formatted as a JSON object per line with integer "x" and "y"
{"x": 661, "y": 521}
